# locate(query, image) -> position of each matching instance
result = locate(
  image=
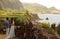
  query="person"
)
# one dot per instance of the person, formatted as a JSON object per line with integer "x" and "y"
{"x": 7, "y": 26}
{"x": 11, "y": 33}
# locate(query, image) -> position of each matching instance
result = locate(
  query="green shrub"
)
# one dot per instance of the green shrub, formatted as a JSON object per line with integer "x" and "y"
{"x": 45, "y": 25}
{"x": 20, "y": 20}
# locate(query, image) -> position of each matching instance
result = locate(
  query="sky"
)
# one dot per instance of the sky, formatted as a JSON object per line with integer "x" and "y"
{"x": 47, "y": 3}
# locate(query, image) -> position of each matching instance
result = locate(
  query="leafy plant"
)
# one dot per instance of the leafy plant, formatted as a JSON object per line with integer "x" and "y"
{"x": 45, "y": 25}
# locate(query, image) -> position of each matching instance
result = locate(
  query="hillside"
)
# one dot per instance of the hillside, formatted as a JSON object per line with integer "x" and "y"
{"x": 37, "y": 8}
{"x": 12, "y": 4}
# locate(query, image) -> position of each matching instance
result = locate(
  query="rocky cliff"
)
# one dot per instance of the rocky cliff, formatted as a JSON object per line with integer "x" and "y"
{"x": 30, "y": 31}
{"x": 12, "y": 4}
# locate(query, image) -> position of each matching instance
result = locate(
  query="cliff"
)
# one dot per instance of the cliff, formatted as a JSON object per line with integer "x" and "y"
{"x": 12, "y": 4}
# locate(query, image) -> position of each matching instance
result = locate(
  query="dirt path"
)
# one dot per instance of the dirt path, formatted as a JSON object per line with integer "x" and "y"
{"x": 2, "y": 36}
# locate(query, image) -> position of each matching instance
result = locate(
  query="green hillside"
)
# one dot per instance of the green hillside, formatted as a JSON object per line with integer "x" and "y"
{"x": 10, "y": 8}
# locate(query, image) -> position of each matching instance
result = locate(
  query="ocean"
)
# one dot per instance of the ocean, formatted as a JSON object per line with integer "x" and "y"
{"x": 51, "y": 18}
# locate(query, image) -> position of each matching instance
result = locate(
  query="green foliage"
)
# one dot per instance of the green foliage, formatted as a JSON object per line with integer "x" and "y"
{"x": 21, "y": 16}
{"x": 2, "y": 27}
{"x": 20, "y": 20}
{"x": 11, "y": 12}
{"x": 45, "y": 25}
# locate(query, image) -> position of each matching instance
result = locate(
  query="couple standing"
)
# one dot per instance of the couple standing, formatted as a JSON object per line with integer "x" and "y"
{"x": 10, "y": 30}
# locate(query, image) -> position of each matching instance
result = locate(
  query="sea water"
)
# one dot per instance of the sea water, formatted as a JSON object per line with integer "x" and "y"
{"x": 52, "y": 18}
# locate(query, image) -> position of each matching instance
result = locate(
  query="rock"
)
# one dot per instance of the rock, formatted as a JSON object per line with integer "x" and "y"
{"x": 34, "y": 33}
{"x": 52, "y": 37}
{"x": 58, "y": 29}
